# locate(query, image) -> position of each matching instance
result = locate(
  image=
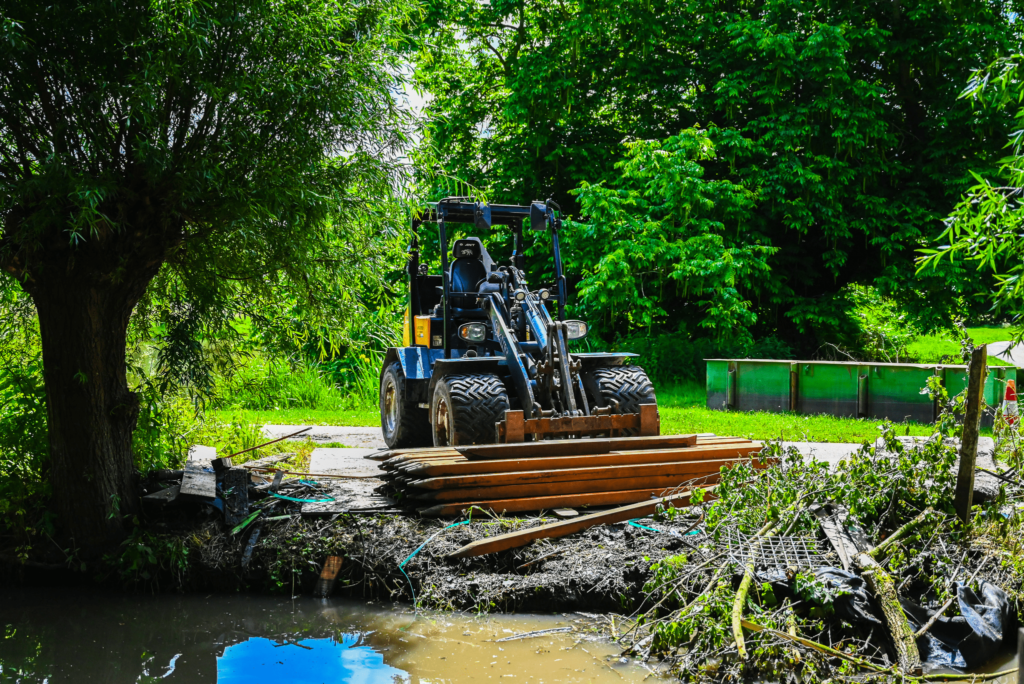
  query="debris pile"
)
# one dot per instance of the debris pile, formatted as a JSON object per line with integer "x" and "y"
{"x": 512, "y": 478}
{"x": 811, "y": 572}
{"x": 238, "y": 493}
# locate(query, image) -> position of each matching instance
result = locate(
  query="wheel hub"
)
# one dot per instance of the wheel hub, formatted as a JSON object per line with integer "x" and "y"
{"x": 390, "y": 407}
{"x": 443, "y": 422}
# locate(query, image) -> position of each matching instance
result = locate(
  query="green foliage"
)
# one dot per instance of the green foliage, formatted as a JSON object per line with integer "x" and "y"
{"x": 983, "y": 232}
{"x": 876, "y": 491}
{"x": 262, "y": 383}
{"x": 665, "y": 573}
{"x": 144, "y": 558}
{"x": 661, "y": 226}
{"x": 842, "y": 117}
{"x": 231, "y": 119}
{"x": 23, "y": 421}
{"x": 175, "y": 167}
{"x": 817, "y": 592}
{"x": 857, "y": 323}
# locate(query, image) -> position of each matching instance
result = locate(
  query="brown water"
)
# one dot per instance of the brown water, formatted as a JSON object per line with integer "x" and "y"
{"x": 83, "y": 636}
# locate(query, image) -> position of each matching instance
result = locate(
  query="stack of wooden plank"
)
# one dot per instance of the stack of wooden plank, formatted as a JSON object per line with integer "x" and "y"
{"x": 552, "y": 474}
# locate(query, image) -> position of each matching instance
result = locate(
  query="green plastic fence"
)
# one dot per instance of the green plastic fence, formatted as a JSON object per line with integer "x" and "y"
{"x": 883, "y": 391}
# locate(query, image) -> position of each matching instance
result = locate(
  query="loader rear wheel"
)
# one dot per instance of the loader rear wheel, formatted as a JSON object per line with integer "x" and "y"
{"x": 465, "y": 409}
{"x": 627, "y": 386}
{"x": 404, "y": 424}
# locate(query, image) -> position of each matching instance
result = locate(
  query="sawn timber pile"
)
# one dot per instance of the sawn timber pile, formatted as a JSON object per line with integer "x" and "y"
{"x": 511, "y": 478}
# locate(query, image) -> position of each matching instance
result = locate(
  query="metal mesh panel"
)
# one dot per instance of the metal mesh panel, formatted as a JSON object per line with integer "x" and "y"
{"x": 775, "y": 552}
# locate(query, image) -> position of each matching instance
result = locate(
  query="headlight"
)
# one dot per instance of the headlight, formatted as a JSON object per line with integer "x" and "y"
{"x": 473, "y": 332}
{"x": 544, "y": 294}
{"x": 520, "y": 295}
{"x": 576, "y": 329}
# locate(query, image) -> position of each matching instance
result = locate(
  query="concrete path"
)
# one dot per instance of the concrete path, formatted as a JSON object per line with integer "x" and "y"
{"x": 829, "y": 452}
{"x": 1007, "y": 351}
{"x": 341, "y": 461}
{"x": 367, "y": 437}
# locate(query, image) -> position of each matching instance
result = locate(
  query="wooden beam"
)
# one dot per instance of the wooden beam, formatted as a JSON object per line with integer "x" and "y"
{"x": 538, "y": 503}
{"x": 235, "y": 482}
{"x": 328, "y": 575}
{"x": 650, "y": 421}
{"x": 578, "y": 425}
{"x": 554, "y": 488}
{"x": 574, "y": 447}
{"x": 683, "y": 469}
{"x": 513, "y": 540}
{"x": 463, "y": 467}
{"x": 417, "y": 458}
{"x": 514, "y": 426}
{"x": 385, "y": 455}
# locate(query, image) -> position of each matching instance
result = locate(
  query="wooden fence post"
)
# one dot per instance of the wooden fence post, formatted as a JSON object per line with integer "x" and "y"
{"x": 969, "y": 440}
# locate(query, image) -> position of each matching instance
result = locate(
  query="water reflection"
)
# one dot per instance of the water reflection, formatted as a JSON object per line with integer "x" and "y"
{"x": 76, "y": 635}
{"x": 310, "y": 661}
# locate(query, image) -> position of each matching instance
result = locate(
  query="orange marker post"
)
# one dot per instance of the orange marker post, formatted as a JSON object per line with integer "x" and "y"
{"x": 1010, "y": 414}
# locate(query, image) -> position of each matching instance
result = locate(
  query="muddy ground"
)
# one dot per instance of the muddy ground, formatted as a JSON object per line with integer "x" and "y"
{"x": 601, "y": 569}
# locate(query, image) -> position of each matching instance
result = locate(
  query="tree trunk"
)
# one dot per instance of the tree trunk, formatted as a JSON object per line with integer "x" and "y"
{"x": 83, "y": 325}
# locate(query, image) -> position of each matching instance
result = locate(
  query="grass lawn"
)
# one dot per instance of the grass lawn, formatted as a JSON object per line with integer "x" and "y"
{"x": 682, "y": 411}
{"x": 934, "y": 348}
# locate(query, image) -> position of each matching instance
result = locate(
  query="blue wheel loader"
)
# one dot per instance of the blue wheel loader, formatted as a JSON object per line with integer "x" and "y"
{"x": 486, "y": 357}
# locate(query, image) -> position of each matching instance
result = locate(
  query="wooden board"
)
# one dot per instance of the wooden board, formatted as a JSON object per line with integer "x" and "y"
{"x": 514, "y": 427}
{"x": 325, "y": 585}
{"x": 683, "y": 469}
{"x": 235, "y": 483}
{"x": 385, "y": 455}
{"x": 199, "y": 479}
{"x": 513, "y": 540}
{"x": 444, "y": 468}
{"x": 574, "y": 447}
{"x": 164, "y": 496}
{"x": 538, "y": 503}
{"x": 417, "y": 458}
{"x": 569, "y": 447}
{"x": 555, "y": 488}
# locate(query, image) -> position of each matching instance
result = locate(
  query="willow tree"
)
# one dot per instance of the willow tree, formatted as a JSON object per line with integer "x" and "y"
{"x": 220, "y": 140}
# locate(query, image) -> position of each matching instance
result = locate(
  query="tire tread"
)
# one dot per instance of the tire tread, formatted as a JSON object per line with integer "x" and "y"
{"x": 478, "y": 402}
{"x": 627, "y": 385}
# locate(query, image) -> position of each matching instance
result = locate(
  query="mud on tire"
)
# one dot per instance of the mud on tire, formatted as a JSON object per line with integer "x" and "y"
{"x": 628, "y": 386}
{"x": 404, "y": 423}
{"x": 465, "y": 408}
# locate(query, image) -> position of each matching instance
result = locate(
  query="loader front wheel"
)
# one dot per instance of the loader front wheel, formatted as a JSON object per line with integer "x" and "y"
{"x": 405, "y": 425}
{"x": 465, "y": 408}
{"x": 623, "y": 386}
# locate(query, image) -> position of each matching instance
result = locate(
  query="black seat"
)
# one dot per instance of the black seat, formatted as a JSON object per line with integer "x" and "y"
{"x": 471, "y": 265}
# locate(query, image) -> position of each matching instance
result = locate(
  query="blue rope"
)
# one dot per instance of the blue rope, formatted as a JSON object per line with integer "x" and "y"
{"x": 420, "y": 548}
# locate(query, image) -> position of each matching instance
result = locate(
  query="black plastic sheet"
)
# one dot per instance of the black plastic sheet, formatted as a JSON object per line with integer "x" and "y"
{"x": 985, "y": 625}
